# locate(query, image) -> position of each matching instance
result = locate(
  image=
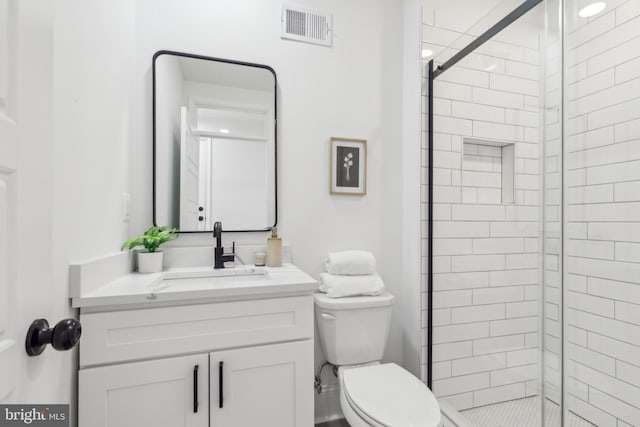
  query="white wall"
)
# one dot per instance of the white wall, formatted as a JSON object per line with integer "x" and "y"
{"x": 410, "y": 306}
{"x": 92, "y": 118}
{"x": 602, "y": 160}
{"x": 91, "y": 133}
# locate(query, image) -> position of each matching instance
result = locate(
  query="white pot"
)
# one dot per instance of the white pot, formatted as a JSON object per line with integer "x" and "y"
{"x": 149, "y": 262}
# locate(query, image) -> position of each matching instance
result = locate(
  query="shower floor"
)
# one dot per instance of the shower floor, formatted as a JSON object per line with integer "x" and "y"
{"x": 521, "y": 413}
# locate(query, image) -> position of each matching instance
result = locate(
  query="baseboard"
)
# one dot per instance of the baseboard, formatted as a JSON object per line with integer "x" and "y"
{"x": 339, "y": 422}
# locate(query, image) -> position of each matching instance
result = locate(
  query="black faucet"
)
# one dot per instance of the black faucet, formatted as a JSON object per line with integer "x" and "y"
{"x": 220, "y": 257}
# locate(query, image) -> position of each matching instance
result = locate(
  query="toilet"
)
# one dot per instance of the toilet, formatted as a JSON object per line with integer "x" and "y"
{"x": 353, "y": 332}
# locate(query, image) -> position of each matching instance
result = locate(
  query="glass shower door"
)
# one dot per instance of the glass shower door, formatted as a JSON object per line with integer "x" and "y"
{"x": 489, "y": 131}
{"x": 602, "y": 212}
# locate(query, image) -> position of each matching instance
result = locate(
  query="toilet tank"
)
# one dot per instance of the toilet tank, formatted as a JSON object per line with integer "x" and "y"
{"x": 353, "y": 330}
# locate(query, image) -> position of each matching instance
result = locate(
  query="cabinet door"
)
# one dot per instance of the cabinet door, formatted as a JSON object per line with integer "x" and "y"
{"x": 269, "y": 385}
{"x": 168, "y": 392}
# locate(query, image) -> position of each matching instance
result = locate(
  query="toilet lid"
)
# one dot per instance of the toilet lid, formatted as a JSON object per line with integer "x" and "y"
{"x": 391, "y": 396}
{"x": 348, "y": 303}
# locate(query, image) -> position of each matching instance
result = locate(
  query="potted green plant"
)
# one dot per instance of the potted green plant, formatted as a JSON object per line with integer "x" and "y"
{"x": 150, "y": 259}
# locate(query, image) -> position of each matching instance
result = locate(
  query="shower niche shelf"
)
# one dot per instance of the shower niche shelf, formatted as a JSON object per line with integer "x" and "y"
{"x": 488, "y": 172}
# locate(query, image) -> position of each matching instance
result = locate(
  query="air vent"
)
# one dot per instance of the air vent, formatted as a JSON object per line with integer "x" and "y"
{"x": 306, "y": 25}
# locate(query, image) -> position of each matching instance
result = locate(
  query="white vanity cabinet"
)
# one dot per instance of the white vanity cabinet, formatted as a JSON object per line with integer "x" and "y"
{"x": 262, "y": 386}
{"x": 167, "y": 366}
{"x": 159, "y": 393}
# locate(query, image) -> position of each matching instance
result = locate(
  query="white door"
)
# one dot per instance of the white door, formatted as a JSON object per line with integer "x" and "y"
{"x": 9, "y": 338}
{"x": 189, "y": 176}
{"x": 169, "y": 392}
{"x": 269, "y": 386}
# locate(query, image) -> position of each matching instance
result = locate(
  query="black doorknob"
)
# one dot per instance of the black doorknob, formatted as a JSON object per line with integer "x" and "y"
{"x": 63, "y": 336}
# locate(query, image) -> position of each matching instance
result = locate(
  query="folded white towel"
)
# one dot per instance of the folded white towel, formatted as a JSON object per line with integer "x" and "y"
{"x": 348, "y": 286}
{"x": 350, "y": 263}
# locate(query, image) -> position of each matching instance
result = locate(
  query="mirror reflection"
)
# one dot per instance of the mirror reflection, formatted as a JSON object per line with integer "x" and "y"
{"x": 214, "y": 143}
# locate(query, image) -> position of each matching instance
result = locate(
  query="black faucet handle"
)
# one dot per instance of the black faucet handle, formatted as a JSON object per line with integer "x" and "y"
{"x": 217, "y": 233}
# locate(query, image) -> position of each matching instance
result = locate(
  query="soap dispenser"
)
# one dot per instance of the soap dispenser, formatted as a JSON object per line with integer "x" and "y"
{"x": 274, "y": 249}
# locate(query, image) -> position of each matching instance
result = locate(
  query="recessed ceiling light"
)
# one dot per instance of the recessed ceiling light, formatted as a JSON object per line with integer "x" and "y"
{"x": 426, "y": 53}
{"x": 224, "y": 130}
{"x": 592, "y": 9}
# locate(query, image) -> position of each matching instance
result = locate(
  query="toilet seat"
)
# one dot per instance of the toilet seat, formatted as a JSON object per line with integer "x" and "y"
{"x": 388, "y": 395}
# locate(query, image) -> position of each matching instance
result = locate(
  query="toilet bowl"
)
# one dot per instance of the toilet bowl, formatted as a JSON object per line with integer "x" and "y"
{"x": 353, "y": 333}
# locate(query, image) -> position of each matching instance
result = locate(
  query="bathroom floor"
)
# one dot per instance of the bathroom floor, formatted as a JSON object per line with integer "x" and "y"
{"x": 521, "y": 413}
{"x": 335, "y": 423}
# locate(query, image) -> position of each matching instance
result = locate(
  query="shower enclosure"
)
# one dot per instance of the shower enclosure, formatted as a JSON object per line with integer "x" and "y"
{"x": 531, "y": 226}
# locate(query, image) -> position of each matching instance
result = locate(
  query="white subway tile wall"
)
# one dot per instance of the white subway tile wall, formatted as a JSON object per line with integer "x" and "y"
{"x": 485, "y": 247}
{"x": 603, "y": 214}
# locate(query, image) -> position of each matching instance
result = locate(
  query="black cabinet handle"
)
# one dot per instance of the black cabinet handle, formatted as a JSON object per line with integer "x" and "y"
{"x": 195, "y": 388}
{"x": 220, "y": 390}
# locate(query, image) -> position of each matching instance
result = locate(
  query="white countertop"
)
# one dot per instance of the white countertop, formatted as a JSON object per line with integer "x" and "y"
{"x": 195, "y": 285}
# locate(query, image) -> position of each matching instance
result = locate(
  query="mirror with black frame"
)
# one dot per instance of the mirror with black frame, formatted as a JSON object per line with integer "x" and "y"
{"x": 214, "y": 143}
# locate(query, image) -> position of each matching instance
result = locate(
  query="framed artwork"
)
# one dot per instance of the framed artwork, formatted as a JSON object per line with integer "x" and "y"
{"x": 348, "y": 166}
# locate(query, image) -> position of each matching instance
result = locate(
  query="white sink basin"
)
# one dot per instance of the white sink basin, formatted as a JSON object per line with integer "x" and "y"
{"x": 209, "y": 278}
{"x": 237, "y": 271}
